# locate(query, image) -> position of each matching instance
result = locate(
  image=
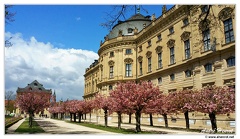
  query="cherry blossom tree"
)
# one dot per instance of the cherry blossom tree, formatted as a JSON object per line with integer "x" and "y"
{"x": 215, "y": 100}
{"x": 71, "y": 107}
{"x": 88, "y": 107}
{"x": 152, "y": 108}
{"x": 182, "y": 101}
{"x": 119, "y": 101}
{"x": 139, "y": 96}
{"x": 33, "y": 102}
{"x": 103, "y": 102}
{"x": 164, "y": 107}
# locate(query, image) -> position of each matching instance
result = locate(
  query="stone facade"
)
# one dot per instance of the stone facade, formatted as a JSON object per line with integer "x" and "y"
{"x": 188, "y": 46}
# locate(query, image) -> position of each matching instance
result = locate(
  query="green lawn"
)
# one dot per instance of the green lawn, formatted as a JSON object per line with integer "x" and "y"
{"x": 24, "y": 128}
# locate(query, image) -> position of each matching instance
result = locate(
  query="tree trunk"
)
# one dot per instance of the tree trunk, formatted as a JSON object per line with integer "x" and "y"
{"x": 186, "y": 119}
{"x": 165, "y": 119}
{"x": 75, "y": 117}
{"x": 151, "y": 120}
{"x": 106, "y": 117}
{"x": 212, "y": 117}
{"x": 90, "y": 117}
{"x": 70, "y": 117}
{"x": 138, "y": 121}
{"x": 130, "y": 118}
{"x": 119, "y": 120}
{"x": 79, "y": 117}
{"x": 30, "y": 119}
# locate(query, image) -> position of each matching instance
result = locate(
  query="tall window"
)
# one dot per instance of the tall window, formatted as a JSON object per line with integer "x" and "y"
{"x": 172, "y": 77}
{"x": 206, "y": 40}
{"x": 185, "y": 22}
{"x": 172, "y": 55}
{"x": 111, "y": 72}
{"x": 149, "y": 64}
{"x": 111, "y": 54}
{"x": 128, "y": 70}
{"x": 110, "y": 87}
{"x": 149, "y": 43}
{"x": 128, "y": 51}
{"x": 187, "y": 49}
{"x": 160, "y": 80}
{"x": 171, "y": 30}
{"x": 204, "y": 9}
{"x": 208, "y": 67}
{"x": 231, "y": 61}
{"x": 140, "y": 68}
{"x": 228, "y": 30}
{"x": 160, "y": 60}
{"x": 188, "y": 73}
{"x": 140, "y": 48}
{"x": 159, "y": 37}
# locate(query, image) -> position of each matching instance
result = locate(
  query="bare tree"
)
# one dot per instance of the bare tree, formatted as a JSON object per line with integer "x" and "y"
{"x": 9, "y": 17}
{"x": 9, "y": 97}
{"x": 8, "y": 14}
{"x": 119, "y": 13}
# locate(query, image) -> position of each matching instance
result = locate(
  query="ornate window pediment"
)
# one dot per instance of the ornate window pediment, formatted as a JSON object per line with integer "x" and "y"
{"x": 148, "y": 54}
{"x": 204, "y": 25}
{"x": 128, "y": 60}
{"x": 171, "y": 43}
{"x": 225, "y": 13}
{"x": 185, "y": 35}
{"x": 158, "y": 49}
{"x": 140, "y": 58}
{"x": 111, "y": 63}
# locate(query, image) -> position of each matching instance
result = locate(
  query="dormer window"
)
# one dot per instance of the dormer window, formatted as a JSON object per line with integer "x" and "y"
{"x": 35, "y": 84}
{"x": 130, "y": 30}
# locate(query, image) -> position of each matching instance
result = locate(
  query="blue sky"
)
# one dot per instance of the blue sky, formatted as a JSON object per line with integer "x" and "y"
{"x": 66, "y": 26}
{"x": 54, "y": 44}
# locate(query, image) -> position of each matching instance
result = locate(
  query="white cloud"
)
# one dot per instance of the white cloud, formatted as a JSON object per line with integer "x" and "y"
{"x": 78, "y": 18}
{"x": 59, "y": 69}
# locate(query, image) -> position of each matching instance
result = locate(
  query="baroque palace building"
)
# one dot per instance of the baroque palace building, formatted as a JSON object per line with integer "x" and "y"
{"x": 35, "y": 87}
{"x": 188, "y": 46}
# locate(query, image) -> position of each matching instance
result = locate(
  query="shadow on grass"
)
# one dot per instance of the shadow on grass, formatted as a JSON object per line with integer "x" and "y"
{"x": 24, "y": 128}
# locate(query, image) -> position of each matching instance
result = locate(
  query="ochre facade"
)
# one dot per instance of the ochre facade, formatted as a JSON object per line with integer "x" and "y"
{"x": 188, "y": 46}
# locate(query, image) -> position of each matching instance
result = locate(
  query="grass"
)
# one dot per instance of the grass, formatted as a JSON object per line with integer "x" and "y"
{"x": 115, "y": 129}
{"x": 9, "y": 120}
{"x": 24, "y": 128}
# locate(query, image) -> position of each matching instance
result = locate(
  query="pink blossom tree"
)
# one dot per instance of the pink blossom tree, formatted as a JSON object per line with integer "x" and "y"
{"x": 215, "y": 100}
{"x": 182, "y": 101}
{"x": 88, "y": 107}
{"x": 164, "y": 107}
{"x": 71, "y": 107}
{"x": 152, "y": 108}
{"x": 103, "y": 102}
{"x": 119, "y": 101}
{"x": 139, "y": 96}
{"x": 33, "y": 102}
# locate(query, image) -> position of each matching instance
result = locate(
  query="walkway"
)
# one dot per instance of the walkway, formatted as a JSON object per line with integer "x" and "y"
{"x": 52, "y": 126}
